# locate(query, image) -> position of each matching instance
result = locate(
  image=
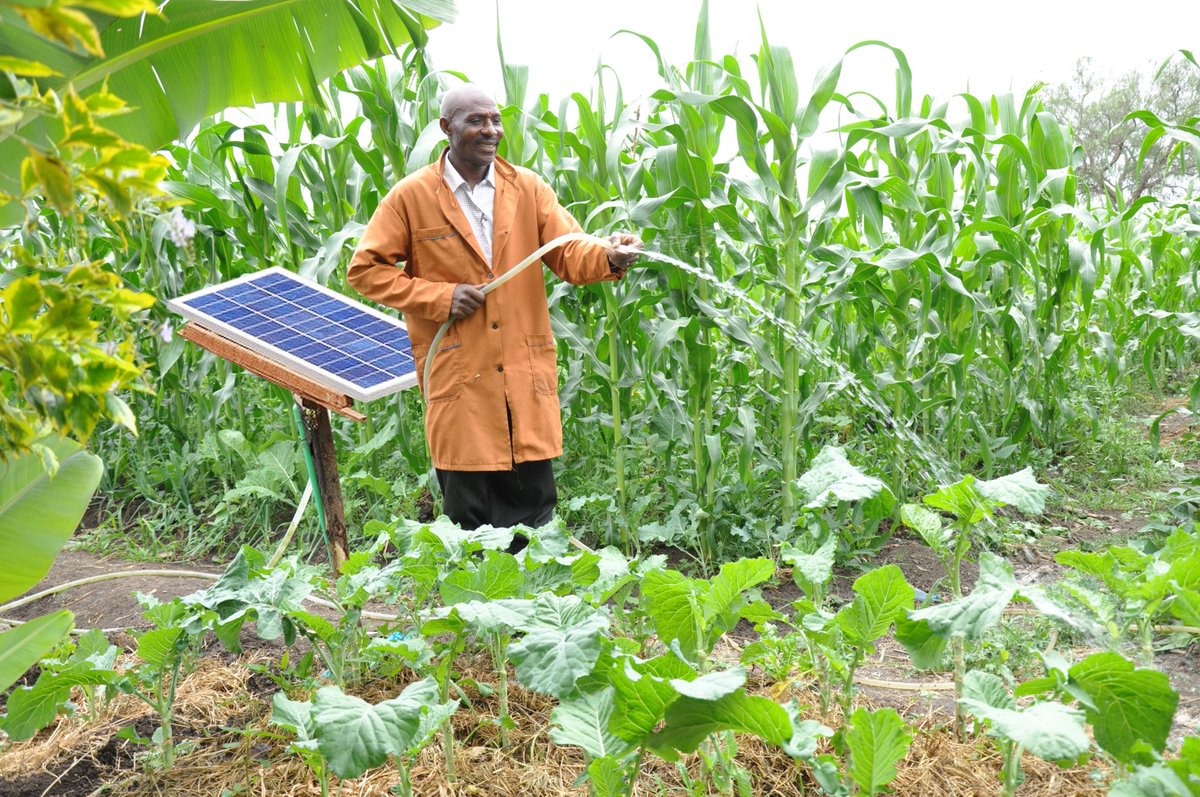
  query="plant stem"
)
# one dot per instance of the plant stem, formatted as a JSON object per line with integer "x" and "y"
{"x": 636, "y": 772}
{"x": 614, "y": 370}
{"x": 1146, "y": 627}
{"x": 404, "y": 787}
{"x": 848, "y": 687}
{"x": 1011, "y": 776}
{"x": 790, "y": 410}
{"x": 960, "y": 671}
{"x": 502, "y": 680}
{"x": 448, "y": 728}
{"x": 957, "y": 644}
{"x": 165, "y": 708}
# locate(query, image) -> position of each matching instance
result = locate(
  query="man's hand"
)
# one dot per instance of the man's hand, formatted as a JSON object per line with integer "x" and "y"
{"x": 624, "y": 252}
{"x": 465, "y": 301}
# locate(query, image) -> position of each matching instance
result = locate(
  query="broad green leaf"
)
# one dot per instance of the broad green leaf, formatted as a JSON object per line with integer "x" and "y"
{"x": 927, "y": 525}
{"x": 688, "y": 722}
{"x": 39, "y": 513}
{"x": 926, "y": 649}
{"x": 832, "y": 479}
{"x": 1019, "y": 490}
{"x": 760, "y": 611}
{"x": 606, "y": 777}
{"x": 23, "y": 646}
{"x": 1053, "y": 608}
{"x": 319, "y": 626}
{"x": 971, "y": 616}
{"x": 583, "y": 722}
{"x": 877, "y": 741}
{"x": 156, "y": 647}
{"x": 1186, "y": 607}
{"x": 32, "y": 708}
{"x": 881, "y": 597}
{"x": 724, "y": 595}
{"x": 245, "y": 591}
{"x": 355, "y": 736}
{"x": 295, "y": 715}
{"x": 711, "y": 686}
{"x": 497, "y": 576}
{"x": 1124, "y": 705}
{"x": 492, "y": 615}
{"x": 562, "y": 644}
{"x": 806, "y": 734}
{"x": 547, "y": 542}
{"x": 643, "y": 691}
{"x": 674, "y": 604}
{"x": 611, "y": 573}
{"x": 810, "y": 570}
{"x": 433, "y": 718}
{"x": 962, "y": 500}
{"x": 458, "y": 542}
{"x": 1101, "y": 566}
{"x": 1156, "y": 780}
{"x": 1048, "y": 730}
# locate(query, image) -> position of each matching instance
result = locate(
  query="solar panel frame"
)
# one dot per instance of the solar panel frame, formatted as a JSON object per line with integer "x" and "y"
{"x": 311, "y": 370}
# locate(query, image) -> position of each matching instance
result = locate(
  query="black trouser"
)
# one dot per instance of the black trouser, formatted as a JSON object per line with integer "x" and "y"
{"x": 524, "y": 495}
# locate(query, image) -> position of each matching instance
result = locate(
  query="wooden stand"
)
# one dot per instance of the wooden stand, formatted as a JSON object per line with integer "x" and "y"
{"x": 315, "y": 402}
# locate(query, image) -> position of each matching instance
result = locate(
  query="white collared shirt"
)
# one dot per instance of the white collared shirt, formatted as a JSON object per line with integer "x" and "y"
{"x": 477, "y": 204}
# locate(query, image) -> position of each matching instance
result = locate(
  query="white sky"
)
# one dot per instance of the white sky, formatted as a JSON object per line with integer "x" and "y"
{"x": 985, "y": 48}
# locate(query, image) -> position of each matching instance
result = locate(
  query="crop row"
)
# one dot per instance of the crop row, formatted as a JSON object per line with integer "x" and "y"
{"x": 629, "y": 648}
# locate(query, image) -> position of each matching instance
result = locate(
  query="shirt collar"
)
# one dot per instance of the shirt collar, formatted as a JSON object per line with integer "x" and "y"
{"x": 454, "y": 179}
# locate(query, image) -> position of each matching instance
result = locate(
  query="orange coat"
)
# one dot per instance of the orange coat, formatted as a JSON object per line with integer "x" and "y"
{"x": 505, "y": 351}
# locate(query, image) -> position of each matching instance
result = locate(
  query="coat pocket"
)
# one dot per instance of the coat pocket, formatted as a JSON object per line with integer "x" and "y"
{"x": 543, "y": 363}
{"x": 446, "y": 379}
{"x": 440, "y": 254}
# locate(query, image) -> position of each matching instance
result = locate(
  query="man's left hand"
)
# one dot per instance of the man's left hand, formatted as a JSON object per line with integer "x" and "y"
{"x": 624, "y": 252}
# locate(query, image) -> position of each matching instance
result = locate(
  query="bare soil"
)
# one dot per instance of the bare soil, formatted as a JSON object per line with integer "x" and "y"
{"x": 108, "y": 604}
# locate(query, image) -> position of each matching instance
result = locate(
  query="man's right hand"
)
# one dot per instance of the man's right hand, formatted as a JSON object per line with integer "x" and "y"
{"x": 465, "y": 301}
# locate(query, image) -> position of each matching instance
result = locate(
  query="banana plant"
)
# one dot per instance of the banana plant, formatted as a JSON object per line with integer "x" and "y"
{"x": 176, "y": 69}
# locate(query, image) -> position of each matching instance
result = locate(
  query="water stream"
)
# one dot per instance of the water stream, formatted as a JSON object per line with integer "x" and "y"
{"x": 939, "y": 468}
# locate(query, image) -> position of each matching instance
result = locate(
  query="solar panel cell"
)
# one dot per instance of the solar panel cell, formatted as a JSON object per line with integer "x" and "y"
{"x": 322, "y": 334}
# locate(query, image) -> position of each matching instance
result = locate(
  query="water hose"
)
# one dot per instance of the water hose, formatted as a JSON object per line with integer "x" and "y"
{"x": 505, "y": 277}
{"x": 312, "y": 476}
{"x": 119, "y": 574}
{"x": 291, "y": 529}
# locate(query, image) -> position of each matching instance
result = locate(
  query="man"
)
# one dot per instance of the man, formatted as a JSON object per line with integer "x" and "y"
{"x": 492, "y": 417}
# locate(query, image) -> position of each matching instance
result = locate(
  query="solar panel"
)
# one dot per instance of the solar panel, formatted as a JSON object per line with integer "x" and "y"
{"x": 308, "y": 328}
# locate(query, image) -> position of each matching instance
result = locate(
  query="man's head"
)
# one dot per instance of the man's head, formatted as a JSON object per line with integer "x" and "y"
{"x": 471, "y": 122}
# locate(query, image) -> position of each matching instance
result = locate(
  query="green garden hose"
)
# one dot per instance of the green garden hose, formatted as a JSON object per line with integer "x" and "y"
{"x": 505, "y": 277}
{"x": 312, "y": 473}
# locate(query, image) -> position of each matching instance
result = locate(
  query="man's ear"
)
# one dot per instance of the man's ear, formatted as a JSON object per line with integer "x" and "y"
{"x": 444, "y": 123}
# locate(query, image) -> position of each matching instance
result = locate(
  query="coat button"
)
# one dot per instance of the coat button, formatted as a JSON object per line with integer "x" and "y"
{"x": 500, "y": 369}
{"x": 491, "y": 276}
{"x": 495, "y": 326}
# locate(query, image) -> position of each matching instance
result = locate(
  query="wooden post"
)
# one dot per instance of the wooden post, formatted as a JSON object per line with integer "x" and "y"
{"x": 319, "y": 435}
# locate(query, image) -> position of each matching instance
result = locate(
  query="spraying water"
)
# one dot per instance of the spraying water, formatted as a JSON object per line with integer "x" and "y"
{"x": 846, "y": 381}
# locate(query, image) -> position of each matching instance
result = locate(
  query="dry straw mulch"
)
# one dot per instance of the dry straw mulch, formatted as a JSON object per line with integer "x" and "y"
{"x": 217, "y": 701}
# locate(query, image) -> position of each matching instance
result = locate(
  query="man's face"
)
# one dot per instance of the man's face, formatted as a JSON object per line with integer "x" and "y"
{"x": 474, "y": 132}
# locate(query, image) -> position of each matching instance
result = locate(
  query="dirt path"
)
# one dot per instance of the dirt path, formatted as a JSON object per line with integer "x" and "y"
{"x": 109, "y": 604}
